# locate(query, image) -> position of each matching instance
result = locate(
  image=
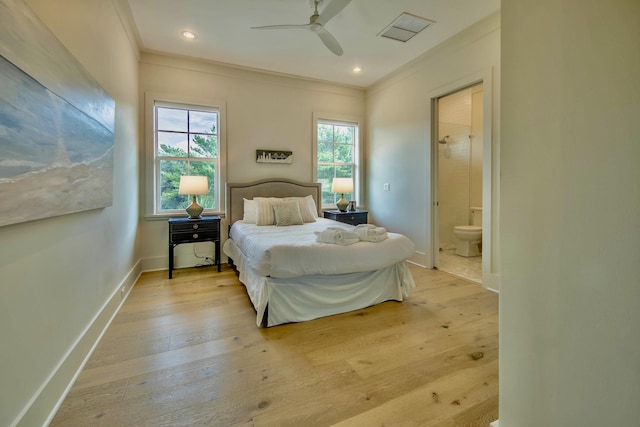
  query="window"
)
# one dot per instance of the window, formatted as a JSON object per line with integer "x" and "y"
{"x": 337, "y": 147}
{"x": 186, "y": 139}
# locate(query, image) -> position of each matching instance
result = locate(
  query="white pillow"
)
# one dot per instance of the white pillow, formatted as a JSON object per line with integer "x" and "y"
{"x": 250, "y": 211}
{"x": 287, "y": 213}
{"x": 264, "y": 211}
{"x": 308, "y": 208}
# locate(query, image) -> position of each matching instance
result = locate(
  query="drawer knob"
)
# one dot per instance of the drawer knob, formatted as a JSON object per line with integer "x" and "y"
{"x": 195, "y": 235}
{"x": 195, "y": 226}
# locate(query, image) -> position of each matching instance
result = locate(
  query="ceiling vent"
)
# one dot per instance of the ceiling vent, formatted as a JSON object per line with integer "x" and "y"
{"x": 405, "y": 27}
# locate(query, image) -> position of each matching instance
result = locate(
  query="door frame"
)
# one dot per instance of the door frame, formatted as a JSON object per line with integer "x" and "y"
{"x": 489, "y": 246}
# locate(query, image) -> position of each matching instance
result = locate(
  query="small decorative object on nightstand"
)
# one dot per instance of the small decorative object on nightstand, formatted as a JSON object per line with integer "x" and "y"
{"x": 351, "y": 217}
{"x": 185, "y": 230}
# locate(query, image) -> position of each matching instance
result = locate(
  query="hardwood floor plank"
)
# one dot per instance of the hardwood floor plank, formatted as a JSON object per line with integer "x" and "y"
{"x": 187, "y": 352}
{"x": 431, "y": 404}
{"x": 157, "y": 361}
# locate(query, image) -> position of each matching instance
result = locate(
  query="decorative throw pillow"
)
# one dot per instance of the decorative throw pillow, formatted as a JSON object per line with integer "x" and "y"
{"x": 307, "y": 206}
{"x": 264, "y": 211}
{"x": 311, "y": 206}
{"x": 287, "y": 213}
{"x": 250, "y": 211}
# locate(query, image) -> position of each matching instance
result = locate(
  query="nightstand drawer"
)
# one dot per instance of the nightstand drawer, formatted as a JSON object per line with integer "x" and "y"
{"x": 194, "y": 226}
{"x": 354, "y": 219}
{"x": 194, "y": 236}
{"x": 348, "y": 217}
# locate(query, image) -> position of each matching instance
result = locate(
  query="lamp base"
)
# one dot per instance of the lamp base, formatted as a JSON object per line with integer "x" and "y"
{"x": 342, "y": 204}
{"x": 194, "y": 209}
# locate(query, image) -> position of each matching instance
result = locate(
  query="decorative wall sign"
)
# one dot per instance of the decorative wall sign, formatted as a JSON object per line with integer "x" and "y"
{"x": 56, "y": 125}
{"x": 274, "y": 156}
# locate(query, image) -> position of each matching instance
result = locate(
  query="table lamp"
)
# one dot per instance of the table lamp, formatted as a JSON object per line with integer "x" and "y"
{"x": 342, "y": 185}
{"x": 194, "y": 185}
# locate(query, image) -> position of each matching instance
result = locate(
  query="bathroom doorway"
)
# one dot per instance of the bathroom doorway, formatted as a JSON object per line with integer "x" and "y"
{"x": 458, "y": 177}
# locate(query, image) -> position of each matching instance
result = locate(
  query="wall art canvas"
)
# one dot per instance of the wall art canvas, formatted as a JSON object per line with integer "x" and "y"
{"x": 56, "y": 125}
{"x": 274, "y": 156}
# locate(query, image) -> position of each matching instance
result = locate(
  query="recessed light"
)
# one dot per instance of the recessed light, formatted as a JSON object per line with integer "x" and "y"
{"x": 188, "y": 35}
{"x": 357, "y": 70}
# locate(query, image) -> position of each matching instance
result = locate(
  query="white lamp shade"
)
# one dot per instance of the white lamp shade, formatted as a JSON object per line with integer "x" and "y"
{"x": 190, "y": 184}
{"x": 342, "y": 185}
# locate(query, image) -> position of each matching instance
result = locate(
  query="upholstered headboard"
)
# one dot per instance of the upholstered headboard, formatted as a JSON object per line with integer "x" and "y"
{"x": 272, "y": 187}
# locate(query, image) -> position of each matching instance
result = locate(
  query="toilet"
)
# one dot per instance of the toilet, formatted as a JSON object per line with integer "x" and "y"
{"x": 469, "y": 237}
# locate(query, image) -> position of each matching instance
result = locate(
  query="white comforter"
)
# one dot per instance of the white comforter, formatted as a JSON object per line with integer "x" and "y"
{"x": 285, "y": 252}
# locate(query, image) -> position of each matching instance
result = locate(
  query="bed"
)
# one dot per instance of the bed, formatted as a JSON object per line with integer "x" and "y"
{"x": 288, "y": 274}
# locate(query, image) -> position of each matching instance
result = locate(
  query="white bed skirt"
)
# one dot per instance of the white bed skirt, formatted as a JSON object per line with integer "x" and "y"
{"x": 310, "y": 297}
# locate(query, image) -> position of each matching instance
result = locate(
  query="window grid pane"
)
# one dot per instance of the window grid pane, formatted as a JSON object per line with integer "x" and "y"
{"x": 203, "y": 122}
{"x": 171, "y": 119}
{"x": 170, "y": 173}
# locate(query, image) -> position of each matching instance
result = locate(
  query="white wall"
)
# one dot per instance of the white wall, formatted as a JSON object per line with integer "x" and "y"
{"x": 58, "y": 274}
{"x": 570, "y": 231}
{"x": 263, "y": 111}
{"x": 399, "y": 128}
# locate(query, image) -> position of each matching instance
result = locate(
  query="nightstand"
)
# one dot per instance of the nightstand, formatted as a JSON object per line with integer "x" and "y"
{"x": 185, "y": 230}
{"x": 349, "y": 217}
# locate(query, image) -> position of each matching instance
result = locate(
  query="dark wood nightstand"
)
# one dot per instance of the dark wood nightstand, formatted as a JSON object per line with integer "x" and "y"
{"x": 185, "y": 230}
{"x": 349, "y": 217}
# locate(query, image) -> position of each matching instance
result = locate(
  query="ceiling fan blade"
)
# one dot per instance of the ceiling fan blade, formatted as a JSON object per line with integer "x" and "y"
{"x": 331, "y": 10}
{"x": 329, "y": 41}
{"x": 283, "y": 27}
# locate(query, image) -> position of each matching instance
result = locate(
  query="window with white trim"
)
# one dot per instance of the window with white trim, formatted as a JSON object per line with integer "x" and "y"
{"x": 337, "y": 153}
{"x": 186, "y": 139}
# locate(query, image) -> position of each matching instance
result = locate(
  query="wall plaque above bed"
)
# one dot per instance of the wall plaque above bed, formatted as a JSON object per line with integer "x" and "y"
{"x": 274, "y": 156}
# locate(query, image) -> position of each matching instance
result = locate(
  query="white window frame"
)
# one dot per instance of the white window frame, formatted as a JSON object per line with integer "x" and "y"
{"x": 152, "y": 177}
{"x": 358, "y": 173}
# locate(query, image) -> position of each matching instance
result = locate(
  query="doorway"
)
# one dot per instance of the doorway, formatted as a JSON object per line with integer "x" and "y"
{"x": 461, "y": 177}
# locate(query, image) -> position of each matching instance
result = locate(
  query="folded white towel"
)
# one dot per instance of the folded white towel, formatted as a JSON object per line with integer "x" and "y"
{"x": 371, "y": 233}
{"x": 378, "y": 238}
{"x": 365, "y": 226}
{"x": 371, "y": 229}
{"x": 377, "y": 231}
{"x": 362, "y": 233}
{"x": 337, "y": 236}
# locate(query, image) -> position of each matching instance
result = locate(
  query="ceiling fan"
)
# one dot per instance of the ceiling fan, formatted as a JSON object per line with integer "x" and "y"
{"x": 316, "y": 24}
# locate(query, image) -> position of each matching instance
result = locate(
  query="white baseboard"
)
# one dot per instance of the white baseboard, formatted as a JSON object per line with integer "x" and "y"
{"x": 491, "y": 282}
{"x": 419, "y": 259}
{"x": 155, "y": 263}
{"x": 55, "y": 388}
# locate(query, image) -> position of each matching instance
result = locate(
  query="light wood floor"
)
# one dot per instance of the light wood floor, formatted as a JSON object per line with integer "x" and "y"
{"x": 187, "y": 352}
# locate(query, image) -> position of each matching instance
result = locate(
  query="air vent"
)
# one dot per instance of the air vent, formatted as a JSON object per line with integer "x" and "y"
{"x": 405, "y": 27}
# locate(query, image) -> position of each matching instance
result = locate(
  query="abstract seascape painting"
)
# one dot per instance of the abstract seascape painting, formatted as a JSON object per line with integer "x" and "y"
{"x": 56, "y": 125}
